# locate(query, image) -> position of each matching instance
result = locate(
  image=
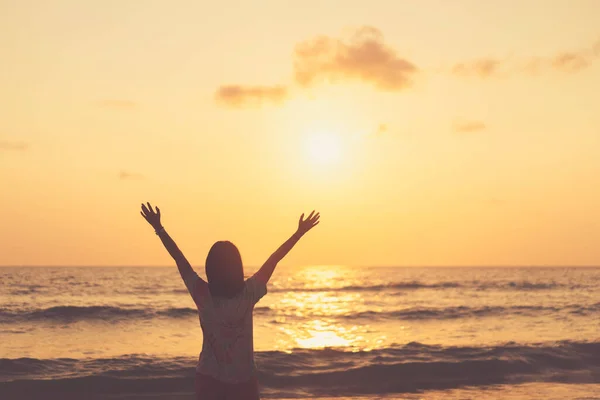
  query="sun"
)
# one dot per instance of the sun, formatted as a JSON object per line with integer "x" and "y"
{"x": 324, "y": 148}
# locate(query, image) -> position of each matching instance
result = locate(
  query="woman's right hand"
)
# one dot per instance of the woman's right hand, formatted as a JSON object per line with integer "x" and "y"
{"x": 153, "y": 217}
{"x": 305, "y": 225}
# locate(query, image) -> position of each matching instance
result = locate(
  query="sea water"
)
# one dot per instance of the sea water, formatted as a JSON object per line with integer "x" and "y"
{"x": 321, "y": 331}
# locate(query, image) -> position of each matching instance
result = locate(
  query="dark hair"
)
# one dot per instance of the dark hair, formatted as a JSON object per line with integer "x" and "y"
{"x": 224, "y": 270}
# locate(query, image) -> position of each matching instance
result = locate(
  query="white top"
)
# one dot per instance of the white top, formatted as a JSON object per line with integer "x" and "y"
{"x": 227, "y": 349}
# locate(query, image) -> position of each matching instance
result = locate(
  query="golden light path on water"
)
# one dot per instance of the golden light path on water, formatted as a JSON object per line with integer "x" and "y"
{"x": 321, "y": 307}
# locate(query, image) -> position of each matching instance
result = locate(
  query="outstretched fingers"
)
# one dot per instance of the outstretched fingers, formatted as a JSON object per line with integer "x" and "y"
{"x": 150, "y": 214}
{"x": 151, "y": 209}
{"x": 148, "y": 211}
{"x": 315, "y": 220}
{"x": 305, "y": 224}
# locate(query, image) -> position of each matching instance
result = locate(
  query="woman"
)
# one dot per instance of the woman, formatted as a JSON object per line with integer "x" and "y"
{"x": 226, "y": 368}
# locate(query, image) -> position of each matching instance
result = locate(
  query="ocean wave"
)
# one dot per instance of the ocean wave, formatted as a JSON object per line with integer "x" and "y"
{"x": 441, "y": 313}
{"x": 396, "y": 288}
{"x": 71, "y": 313}
{"x": 65, "y": 314}
{"x": 424, "y": 313}
{"x": 416, "y": 285}
{"x": 326, "y": 372}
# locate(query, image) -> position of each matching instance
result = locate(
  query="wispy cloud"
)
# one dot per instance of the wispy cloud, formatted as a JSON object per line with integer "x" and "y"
{"x": 125, "y": 175}
{"x": 364, "y": 56}
{"x": 13, "y": 146}
{"x": 116, "y": 104}
{"x": 483, "y": 68}
{"x": 469, "y": 126}
{"x": 250, "y": 96}
{"x": 571, "y": 62}
{"x": 565, "y": 61}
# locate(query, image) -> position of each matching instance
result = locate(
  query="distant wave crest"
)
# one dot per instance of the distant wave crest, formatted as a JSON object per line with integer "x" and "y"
{"x": 423, "y": 313}
{"x": 67, "y": 313}
{"x": 415, "y": 285}
{"x": 115, "y": 314}
{"x": 396, "y": 287}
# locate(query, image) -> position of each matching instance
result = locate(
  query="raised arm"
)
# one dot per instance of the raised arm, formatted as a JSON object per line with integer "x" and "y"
{"x": 304, "y": 225}
{"x": 153, "y": 218}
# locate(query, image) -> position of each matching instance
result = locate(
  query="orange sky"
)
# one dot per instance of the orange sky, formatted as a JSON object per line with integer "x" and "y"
{"x": 464, "y": 132}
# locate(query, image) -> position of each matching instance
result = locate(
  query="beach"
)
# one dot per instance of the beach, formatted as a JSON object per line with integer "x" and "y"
{"x": 327, "y": 331}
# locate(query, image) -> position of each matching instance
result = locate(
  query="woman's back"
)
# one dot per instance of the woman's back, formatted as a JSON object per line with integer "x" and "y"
{"x": 227, "y": 350}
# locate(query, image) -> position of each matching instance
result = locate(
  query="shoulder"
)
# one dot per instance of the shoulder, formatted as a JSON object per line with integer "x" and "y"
{"x": 199, "y": 291}
{"x": 255, "y": 288}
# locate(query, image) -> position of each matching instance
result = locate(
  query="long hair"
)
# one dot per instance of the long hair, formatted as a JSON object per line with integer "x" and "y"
{"x": 224, "y": 270}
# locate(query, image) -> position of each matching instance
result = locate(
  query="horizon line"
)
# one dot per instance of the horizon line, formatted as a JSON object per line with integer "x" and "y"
{"x": 318, "y": 265}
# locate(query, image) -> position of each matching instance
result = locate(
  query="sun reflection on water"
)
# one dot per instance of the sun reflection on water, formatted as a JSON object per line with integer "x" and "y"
{"x": 316, "y": 313}
{"x": 324, "y": 307}
{"x": 321, "y": 335}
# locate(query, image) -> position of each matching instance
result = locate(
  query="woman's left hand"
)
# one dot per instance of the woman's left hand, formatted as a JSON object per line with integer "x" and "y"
{"x": 305, "y": 225}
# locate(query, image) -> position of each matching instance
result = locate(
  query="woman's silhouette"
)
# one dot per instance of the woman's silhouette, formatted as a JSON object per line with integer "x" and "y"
{"x": 226, "y": 367}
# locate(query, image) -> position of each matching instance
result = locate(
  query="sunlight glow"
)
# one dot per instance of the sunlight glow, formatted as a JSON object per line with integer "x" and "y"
{"x": 324, "y": 148}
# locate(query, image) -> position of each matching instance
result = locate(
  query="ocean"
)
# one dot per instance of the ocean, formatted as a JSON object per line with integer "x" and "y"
{"x": 320, "y": 332}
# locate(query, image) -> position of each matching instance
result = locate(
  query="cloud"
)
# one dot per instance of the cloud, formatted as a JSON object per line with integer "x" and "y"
{"x": 116, "y": 104}
{"x": 242, "y": 96}
{"x": 571, "y": 62}
{"x": 565, "y": 61}
{"x": 482, "y": 68}
{"x": 364, "y": 56}
{"x": 469, "y": 126}
{"x": 124, "y": 175}
{"x": 14, "y": 146}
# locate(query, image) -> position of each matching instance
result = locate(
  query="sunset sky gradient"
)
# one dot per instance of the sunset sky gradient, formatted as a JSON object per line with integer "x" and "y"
{"x": 469, "y": 131}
